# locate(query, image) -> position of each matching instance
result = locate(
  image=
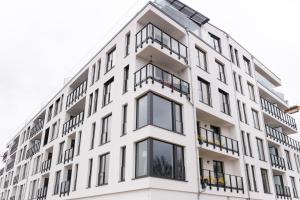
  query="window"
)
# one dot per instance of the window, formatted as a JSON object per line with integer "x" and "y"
{"x": 297, "y": 162}
{"x": 249, "y": 144}
{"x": 158, "y": 111}
{"x": 57, "y": 182}
{"x": 61, "y": 103}
{"x": 288, "y": 159}
{"x": 124, "y": 119}
{"x": 57, "y": 104}
{"x": 90, "y": 171}
{"x": 90, "y": 105}
{"x": 248, "y": 177}
{"x": 241, "y": 84}
{"x": 231, "y": 54}
{"x": 75, "y": 179}
{"x": 60, "y": 152}
{"x": 254, "y": 179}
{"x": 235, "y": 82}
{"x": 103, "y": 169}
{"x": 222, "y": 76}
{"x": 242, "y": 111}
{"x": 79, "y": 143}
{"x": 224, "y": 102}
{"x": 204, "y": 91}
{"x": 107, "y": 92}
{"x": 236, "y": 53}
{"x": 247, "y": 66}
{"x": 127, "y": 44}
{"x": 125, "y": 81}
{"x": 50, "y": 113}
{"x": 159, "y": 159}
{"x": 93, "y": 135}
{"x": 106, "y": 128}
{"x": 202, "y": 63}
{"x": 111, "y": 59}
{"x": 244, "y": 143}
{"x": 93, "y": 74}
{"x": 122, "y": 161}
{"x": 255, "y": 119}
{"x": 216, "y": 43}
{"x": 295, "y": 192}
{"x": 265, "y": 180}
{"x": 260, "y": 149}
{"x": 251, "y": 91}
{"x": 96, "y": 101}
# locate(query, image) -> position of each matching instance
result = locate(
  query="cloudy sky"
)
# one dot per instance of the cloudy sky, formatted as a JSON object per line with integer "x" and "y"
{"x": 44, "y": 42}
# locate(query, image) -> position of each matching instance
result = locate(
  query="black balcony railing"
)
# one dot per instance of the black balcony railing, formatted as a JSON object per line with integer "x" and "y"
{"x": 153, "y": 73}
{"x": 69, "y": 154}
{"x": 73, "y": 123}
{"x": 36, "y": 128}
{"x": 153, "y": 34}
{"x": 278, "y": 114}
{"x": 219, "y": 180}
{"x": 16, "y": 179}
{"x": 42, "y": 193}
{"x": 215, "y": 140}
{"x": 282, "y": 138}
{"x": 65, "y": 188}
{"x": 76, "y": 93}
{"x": 283, "y": 192}
{"x": 46, "y": 165}
{"x": 33, "y": 150}
{"x": 278, "y": 162}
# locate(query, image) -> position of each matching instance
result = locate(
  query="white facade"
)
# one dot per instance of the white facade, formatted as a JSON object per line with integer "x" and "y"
{"x": 215, "y": 130}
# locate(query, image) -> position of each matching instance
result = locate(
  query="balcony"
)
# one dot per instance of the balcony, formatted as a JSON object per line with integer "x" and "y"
{"x": 69, "y": 154}
{"x": 33, "y": 150}
{"x": 65, "y": 188}
{"x": 217, "y": 141}
{"x": 76, "y": 94}
{"x": 10, "y": 165}
{"x": 37, "y": 128}
{"x": 16, "y": 179}
{"x": 275, "y": 111}
{"x": 46, "y": 165}
{"x": 73, "y": 123}
{"x": 277, "y": 162}
{"x": 283, "y": 192}
{"x": 221, "y": 181}
{"x": 153, "y": 73}
{"x": 42, "y": 193}
{"x": 282, "y": 138}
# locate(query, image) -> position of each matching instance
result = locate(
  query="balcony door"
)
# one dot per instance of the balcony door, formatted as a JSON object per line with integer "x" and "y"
{"x": 218, "y": 167}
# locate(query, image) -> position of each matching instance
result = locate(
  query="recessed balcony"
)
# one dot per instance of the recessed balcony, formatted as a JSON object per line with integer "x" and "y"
{"x": 68, "y": 155}
{"x": 37, "y": 128}
{"x": 73, "y": 123}
{"x": 42, "y": 193}
{"x": 46, "y": 166}
{"x": 278, "y": 163}
{"x": 33, "y": 150}
{"x": 65, "y": 188}
{"x": 76, "y": 94}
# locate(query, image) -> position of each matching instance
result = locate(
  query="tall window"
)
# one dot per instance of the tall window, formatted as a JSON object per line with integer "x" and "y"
{"x": 57, "y": 182}
{"x": 251, "y": 91}
{"x": 107, "y": 92}
{"x": 202, "y": 63}
{"x": 159, "y": 159}
{"x": 244, "y": 143}
{"x": 98, "y": 69}
{"x": 90, "y": 104}
{"x": 204, "y": 91}
{"x": 242, "y": 111}
{"x": 247, "y": 66}
{"x": 124, "y": 119}
{"x": 60, "y": 152}
{"x": 222, "y": 76}
{"x": 122, "y": 163}
{"x": 235, "y": 81}
{"x": 236, "y": 53}
{"x": 216, "y": 43}
{"x": 288, "y": 159}
{"x": 93, "y": 131}
{"x": 93, "y": 74}
{"x": 56, "y": 108}
{"x": 125, "y": 81}
{"x": 158, "y": 111}
{"x": 248, "y": 177}
{"x": 79, "y": 142}
{"x": 103, "y": 169}
{"x": 127, "y": 44}
{"x": 260, "y": 149}
{"x": 232, "y": 54}
{"x": 111, "y": 59}
{"x": 106, "y": 128}
{"x": 75, "y": 179}
{"x": 50, "y": 113}
{"x": 254, "y": 179}
{"x": 249, "y": 144}
{"x": 96, "y": 100}
{"x": 255, "y": 119}
{"x": 295, "y": 192}
{"x": 224, "y": 102}
{"x": 90, "y": 171}
{"x": 241, "y": 84}
{"x": 265, "y": 180}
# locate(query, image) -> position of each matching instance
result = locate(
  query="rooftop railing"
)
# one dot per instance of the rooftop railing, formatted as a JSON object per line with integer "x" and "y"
{"x": 215, "y": 140}
{"x": 73, "y": 123}
{"x": 278, "y": 114}
{"x": 153, "y": 73}
{"x": 154, "y": 34}
{"x": 76, "y": 93}
{"x": 278, "y": 162}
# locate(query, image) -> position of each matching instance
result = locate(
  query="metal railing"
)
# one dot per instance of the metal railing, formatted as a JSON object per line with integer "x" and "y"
{"x": 282, "y": 138}
{"x": 68, "y": 155}
{"x": 36, "y": 128}
{"x": 154, "y": 34}
{"x": 76, "y": 93}
{"x": 46, "y": 165}
{"x": 65, "y": 188}
{"x": 33, "y": 150}
{"x": 221, "y": 180}
{"x": 216, "y": 140}
{"x": 42, "y": 193}
{"x": 283, "y": 192}
{"x": 73, "y": 123}
{"x": 153, "y": 73}
{"x": 278, "y": 162}
{"x": 277, "y": 113}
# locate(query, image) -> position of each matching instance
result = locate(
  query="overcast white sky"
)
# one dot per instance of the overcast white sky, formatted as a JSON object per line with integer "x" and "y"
{"x": 43, "y": 42}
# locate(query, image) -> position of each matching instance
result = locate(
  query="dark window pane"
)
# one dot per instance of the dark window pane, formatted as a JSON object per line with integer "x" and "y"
{"x": 141, "y": 159}
{"x": 142, "y": 115}
{"x": 162, "y": 112}
{"x": 162, "y": 165}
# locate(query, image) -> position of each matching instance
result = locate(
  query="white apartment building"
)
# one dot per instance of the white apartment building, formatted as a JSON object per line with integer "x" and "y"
{"x": 171, "y": 107}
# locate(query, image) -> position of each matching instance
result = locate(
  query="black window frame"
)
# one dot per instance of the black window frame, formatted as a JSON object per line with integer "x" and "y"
{"x": 206, "y": 84}
{"x": 101, "y": 177}
{"x": 265, "y": 180}
{"x": 105, "y": 136}
{"x": 247, "y": 65}
{"x": 90, "y": 172}
{"x": 96, "y": 96}
{"x": 107, "y": 88}
{"x": 110, "y": 62}
{"x": 222, "y": 71}
{"x": 216, "y": 43}
{"x": 204, "y": 53}
{"x": 255, "y": 115}
{"x": 261, "y": 155}
{"x": 122, "y": 163}
{"x": 127, "y": 44}
{"x": 224, "y": 96}
{"x": 125, "y": 79}
{"x": 124, "y": 119}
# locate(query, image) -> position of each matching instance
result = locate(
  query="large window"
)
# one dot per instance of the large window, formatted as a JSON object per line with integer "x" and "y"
{"x": 260, "y": 149}
{"x": 254, "y": 178}
{"x": 288, "y": 159}
{"x": 201, "y": 56}
{"x": 251, "y": 91}
{"x": 265, "y": 180}
{"x": 222, "y": 75}
{"x": 159, "y": 159}
{"x": 106, "y": 129}
{"x": 224, "y": 102}
{"x": 103, "y": 169}
{"x": 56, "y": 183}
{"x": 295, "y": 191}
{"x": 111, "y": 59}
{"x": 216, "y": 43}
{"x": 107, "y": 91}
{"x": 204, "y": 91}
{"x": 255, "y": 119}
{"x": 158, "y": 111}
